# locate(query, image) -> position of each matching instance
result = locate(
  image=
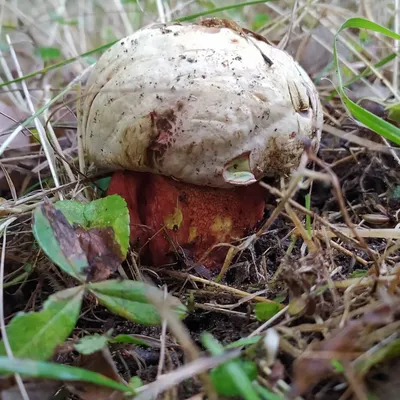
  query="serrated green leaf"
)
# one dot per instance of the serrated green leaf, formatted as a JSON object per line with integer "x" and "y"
{"x": 35, "y": 335}
{"x": 265, "y": 311}
{"x": 48, "y": 53}
{"x": 64, "y": 249}
{"x": 67, "y": 373}
{"x": 129, "y": 300}
{"x": 108, "y": 211}
{"x": 91, "y": 344}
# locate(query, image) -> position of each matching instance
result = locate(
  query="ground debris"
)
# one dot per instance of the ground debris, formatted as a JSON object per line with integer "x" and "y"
{"x": 321, "y": 358}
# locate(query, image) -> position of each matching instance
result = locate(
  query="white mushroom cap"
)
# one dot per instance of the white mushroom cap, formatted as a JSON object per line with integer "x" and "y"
{"x": 200, "y": 103}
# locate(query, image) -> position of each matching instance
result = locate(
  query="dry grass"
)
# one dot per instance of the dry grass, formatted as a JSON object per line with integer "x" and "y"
{"x": 341, "y": 267}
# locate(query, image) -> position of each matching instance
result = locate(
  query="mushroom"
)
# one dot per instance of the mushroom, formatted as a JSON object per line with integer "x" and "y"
{"x": 190, "y": 117}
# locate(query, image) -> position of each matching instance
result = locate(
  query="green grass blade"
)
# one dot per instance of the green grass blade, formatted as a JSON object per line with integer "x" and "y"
{"x": 368, "y": 119}
{"x": 308, "y": 217}
{"x": 48, "y": 370}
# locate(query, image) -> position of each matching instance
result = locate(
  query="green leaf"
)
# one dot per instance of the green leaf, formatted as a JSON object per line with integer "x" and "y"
{"x": 91, "y": 344}
{"x": 243, "y": 342}
{"x": 367, "y": 118}
{"x": 265, "y": 311}
{"x": 59, "y": 241}
{"x": 359, "y": 273}
{"x": 364, "y": 37}
{"x": 35, "y": 335}
{"x": 239, "y": 376}
{"x": 394, "y": 113}
{"x": 48, "y": 53}
{"x": 280, "y": 298}
{"x": 337, "y": 366}
{"x": 131, "y": 339}
{"x": 259, "y": 21}
{"x": 108, "y": 211}
{"x": 129, "y": 300}
{"x": 223, "y": 379}
{"x": 135, "y": 382}
{"x": 55, "y": 229}
{"x": 47, "y": 370}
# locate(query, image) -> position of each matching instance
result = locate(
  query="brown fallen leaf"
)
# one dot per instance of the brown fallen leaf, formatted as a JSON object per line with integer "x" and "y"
{"x": 102, "y": 251}
{"x": 102, "y": 363}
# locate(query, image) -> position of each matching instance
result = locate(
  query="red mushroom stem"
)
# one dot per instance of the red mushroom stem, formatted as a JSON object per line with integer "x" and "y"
{"x": 167, "y": 216}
